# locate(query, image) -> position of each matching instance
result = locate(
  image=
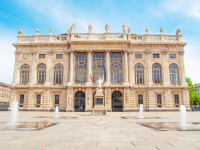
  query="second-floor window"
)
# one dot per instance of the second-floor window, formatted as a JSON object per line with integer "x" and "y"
{"x": 41, "y": 73}
{"x": 24, "y": 74}
{"x": 58, "y": 74}
{"x": 156, "y": 73}
{"x": 81, "y": 68}
{"x": 172, "y": 56}
{"x": 174, "y": 73}
{"x": 139, "y": 74}
{"x": 116, "y": 68}
{"x": 98, "y": 67}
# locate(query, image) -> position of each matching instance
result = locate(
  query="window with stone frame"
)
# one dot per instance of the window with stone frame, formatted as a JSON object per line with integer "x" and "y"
{"x": 156, "y": 73}
{"x": 59, "y": 56}
{"x": 21, "y": 100}
{"x": 41, "y": 73}
{"x": 156, "y": 56}
{"x": 174, "y": 73}
{"x": 24, "y": 74}
{"x": 57, "y": 99}
{"x": 140, "y": 98}
{"x": 99, "y": 67}
{"x": 138, "y": 56}
{"x": 38, "y": 100}
{"x": 172, "y": 56}
{"x": 58, "y": 74}
{"x": 176, "y": 100}
{"x": 25, "y": 56}
{"x": 159, "y": 100}
{"x": 42, "y": 56}
{"x": 116, "y": 68}
{"x": 81, "y": 68}
{"x": 139, "y": 73}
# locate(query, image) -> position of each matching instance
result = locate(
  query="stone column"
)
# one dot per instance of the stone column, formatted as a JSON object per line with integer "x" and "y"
{"x": 49, "y": 70}
{"x": 182, "y": 68}
{"x": 165, "y": 78}
{"x": 33, "y": 71}
{"x": 108, "y": 99}
{"x": 66, "y": 68}
{"x": 131, "y": 69}
{"x": 89, "y": 63}
{"x": 70, "y": 100}
{"x": 107, "y": 67}
{"x": 71, "y": 71}
{"x": 149, "y": 68}
{"x": 88, "y": 100}
{"x": 16, "y": 76}
{"x": 125, "y": 67}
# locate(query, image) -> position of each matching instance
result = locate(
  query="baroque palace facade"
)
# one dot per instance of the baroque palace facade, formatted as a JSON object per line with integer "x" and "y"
{"x": 62, "y": 70}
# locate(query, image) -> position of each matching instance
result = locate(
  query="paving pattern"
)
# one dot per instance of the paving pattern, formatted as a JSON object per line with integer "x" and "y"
{"x": 110, "y": 132}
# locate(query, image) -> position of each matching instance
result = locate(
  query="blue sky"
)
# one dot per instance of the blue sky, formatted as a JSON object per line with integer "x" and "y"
{"x": 136, "y": 14}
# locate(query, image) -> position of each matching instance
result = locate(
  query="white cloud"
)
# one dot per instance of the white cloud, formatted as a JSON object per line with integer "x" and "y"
{"x": 190, "y": 8}
{"x": 7, "y": 58}
{"x": 63, "y": 14}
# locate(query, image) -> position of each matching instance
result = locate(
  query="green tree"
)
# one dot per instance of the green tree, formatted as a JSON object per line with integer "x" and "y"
{"x": 194, "y": 97}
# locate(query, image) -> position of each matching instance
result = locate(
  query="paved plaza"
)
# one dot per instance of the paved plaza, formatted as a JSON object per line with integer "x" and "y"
{"x": 110, "y": 132}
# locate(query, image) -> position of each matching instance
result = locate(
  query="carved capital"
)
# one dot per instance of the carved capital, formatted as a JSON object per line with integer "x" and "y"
{"x": 125, "y": 50}
{"x": 148, "y": 51}
{"x": 89, "y": 51}
{"x": 164, "y": 52}
{"x": 107, "y": 50}
{"x": 181, "y": 52}
{"x": 71, "y": 50}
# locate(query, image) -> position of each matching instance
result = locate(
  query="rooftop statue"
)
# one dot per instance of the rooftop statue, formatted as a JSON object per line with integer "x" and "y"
{"x": 124, "y": 28}
{"x": 73, "y": 28}
{"x": 107, "y": 28}
{"x": 90, "y": 28}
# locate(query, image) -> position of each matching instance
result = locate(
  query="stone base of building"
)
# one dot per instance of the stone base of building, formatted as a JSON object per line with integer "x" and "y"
{"x": 126, "y": 98}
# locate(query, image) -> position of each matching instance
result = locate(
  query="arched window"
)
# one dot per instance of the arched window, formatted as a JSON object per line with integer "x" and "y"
{"x": 173, "y": 72}
{"x": 81, "y": 68}
{"x": 156, "y": 73}
{"x": 139, "y": 74}
{"x": 41, "y": 73}
{"x": 24, "y": 74}
{"x": 98, "y": 67}
{"x": 116, "y": 68}
{"x": 58, "y": 74}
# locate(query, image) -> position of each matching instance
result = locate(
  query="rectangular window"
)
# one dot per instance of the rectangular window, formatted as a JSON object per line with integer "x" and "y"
{"x": 38, "y": 100}
{"x": 59, "y": 56}
{"x": 176, "y": 100}
{"x": 159, "y": 100}
{"x": 140, "y": 99}
{"x": 25, "y": 56}
{"x": 138, "y": 56}
{"x": 156, "y": 56}
{"x": 41, "y": 56}
{"x": 172, "y": 56}
{"x": 21, "y": 100}
{"x": 57, "y": 99}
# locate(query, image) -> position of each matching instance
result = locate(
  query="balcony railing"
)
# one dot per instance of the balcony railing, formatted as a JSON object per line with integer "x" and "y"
{"x": 98, "y": 36}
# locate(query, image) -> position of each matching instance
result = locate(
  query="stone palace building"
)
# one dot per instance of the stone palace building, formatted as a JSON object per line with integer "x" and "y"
{"x": 62, "y": 70}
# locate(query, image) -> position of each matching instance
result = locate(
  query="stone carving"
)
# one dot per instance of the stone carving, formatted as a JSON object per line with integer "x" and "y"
{"x": 129, "y": 30}
{"x": 20, "y": 32}
{"x": 107, "y": 28}
{"x": 124, "y": 28}
{"x": 147, "y": 31}
{"x": 51, "y": 31}
{"x": 108, "y": 97}
{"x": 90, "y": 28}
{"x": 126, "y": 97}
{"x": 73, "y": 28}
{"x": 70, "y": 99}
{"x": 37, "y": 31}
{"x": 161, "y": 30}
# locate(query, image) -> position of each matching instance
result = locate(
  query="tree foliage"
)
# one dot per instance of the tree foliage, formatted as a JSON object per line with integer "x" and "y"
{"x": 194, "y": 97}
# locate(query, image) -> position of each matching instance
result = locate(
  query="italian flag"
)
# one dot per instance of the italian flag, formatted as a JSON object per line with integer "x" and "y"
{"x": 91, "y": 73}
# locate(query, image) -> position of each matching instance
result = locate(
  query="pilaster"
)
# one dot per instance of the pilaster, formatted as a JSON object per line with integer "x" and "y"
{"x": 108, "y": 99}
{"x": 89, "y": 67}
{"x": 49, "y": 69}
{"x": 33, "y": 69}
{"x": 66, "y": 68}
{"x": 149, "y": 68}
{"x": 107, "y": 66}
{"x": 70, "y": 100}
{"x": 182, "y": 68}
{"x": 16, "y": 77}
{"x": 71, "y": 72}
{"x": 125, "y": 68}
{"x": 166, "y": 80}
{"x": 89, "y": 100}
{"x": 131, "y": 70}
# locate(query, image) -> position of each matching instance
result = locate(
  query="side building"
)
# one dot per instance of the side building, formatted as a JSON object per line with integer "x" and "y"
{"x": 62, "y": 70}
{"x": 4, "y": 93}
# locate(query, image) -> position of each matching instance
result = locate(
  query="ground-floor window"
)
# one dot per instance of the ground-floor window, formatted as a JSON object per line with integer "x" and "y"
{"x": 38, "y": 100}
{"x": 176, "y": 100}
{"x": 57, "y": 98}
{"x": 159, "y": 100}
{"x": 140, "y": 99}
{"x": 21, "y": 100}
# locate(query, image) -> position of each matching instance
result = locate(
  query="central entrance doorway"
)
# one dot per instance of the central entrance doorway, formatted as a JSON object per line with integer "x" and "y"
{"x": 117, "y": 101}
{"x": 79, "y": 102}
